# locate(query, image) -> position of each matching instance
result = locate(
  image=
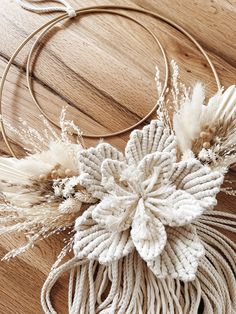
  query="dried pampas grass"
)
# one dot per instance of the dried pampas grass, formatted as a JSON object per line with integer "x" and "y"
{"x": 192, "y": 145}
{"x": 41, "y": 194}
{"x": 204, "y": 130}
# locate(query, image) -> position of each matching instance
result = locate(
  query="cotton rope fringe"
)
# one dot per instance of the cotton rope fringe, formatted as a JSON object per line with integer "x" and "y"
{"x": 129, "y": 286}
{"x": 205, "y": 268}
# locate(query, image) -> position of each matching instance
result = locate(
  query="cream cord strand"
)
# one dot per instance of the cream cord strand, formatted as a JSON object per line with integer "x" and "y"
{"x": 28, "y": 5}
{"x": 52, "y": 278}
{"x": 211, "y": 283}
{"x": 214, "y": 285}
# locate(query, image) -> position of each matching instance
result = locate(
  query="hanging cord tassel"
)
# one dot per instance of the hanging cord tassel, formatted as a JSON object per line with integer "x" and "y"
{"x": 28, "y": 5}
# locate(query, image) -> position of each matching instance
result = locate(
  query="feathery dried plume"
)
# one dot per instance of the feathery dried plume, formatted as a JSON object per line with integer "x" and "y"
{"x": 41, "y": 194}
{"x": 206, "y": 131}
{"x": 174, "y": 97}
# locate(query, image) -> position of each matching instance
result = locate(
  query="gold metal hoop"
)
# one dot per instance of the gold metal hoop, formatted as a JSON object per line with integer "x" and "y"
{"x": 97, "y": 9}
{"x": 85, "y": 135}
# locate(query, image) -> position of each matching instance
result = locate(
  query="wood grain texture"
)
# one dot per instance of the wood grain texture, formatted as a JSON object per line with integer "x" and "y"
{"x": 102, "y": 67}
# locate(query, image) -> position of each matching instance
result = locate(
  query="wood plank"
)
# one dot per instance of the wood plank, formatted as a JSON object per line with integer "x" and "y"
{"x": 102, "y": 67}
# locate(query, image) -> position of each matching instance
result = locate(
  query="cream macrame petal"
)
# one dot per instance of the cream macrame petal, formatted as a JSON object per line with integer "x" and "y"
{"x": 198, "y": 180}
{"x": 114, "y": 212}
{"x": 90, "y": 167}
{"x": 112, "y": 177}
{"x": 95, "y": 242}
{"x": 180, "y": 257}
{"x": 157, "y": 168}
{"x": 148, "y": 234}
{"x": 153, "y": 137}
{"x": 178, "y": 209}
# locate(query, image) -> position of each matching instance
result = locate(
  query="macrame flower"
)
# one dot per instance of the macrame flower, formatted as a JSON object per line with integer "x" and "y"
{"x": 147, "y": 201}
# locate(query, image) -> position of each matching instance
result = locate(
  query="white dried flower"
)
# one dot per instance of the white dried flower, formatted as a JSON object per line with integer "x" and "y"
{"x": 211, "y": 127}
{"x": 40, "y": 194}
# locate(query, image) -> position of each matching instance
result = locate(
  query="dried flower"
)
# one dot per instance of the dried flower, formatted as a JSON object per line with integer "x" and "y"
{"x": 208, "y": 130}
{"x": 41, "y": 194}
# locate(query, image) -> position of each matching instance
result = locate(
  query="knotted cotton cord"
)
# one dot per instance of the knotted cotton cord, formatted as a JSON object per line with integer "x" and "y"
{"x": 127, "y": 278}
{"x": 131, "y": 287}
{"x": 54, "y": 275}
{"x": 28, "y": 5}
{"x": 81, "y": 290}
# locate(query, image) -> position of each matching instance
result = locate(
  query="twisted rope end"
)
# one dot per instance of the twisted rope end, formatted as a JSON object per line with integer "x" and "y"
{"x": 66, "y": 7}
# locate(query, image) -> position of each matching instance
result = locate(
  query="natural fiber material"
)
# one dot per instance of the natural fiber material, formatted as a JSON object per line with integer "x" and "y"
{"x": 149, "y": 241}
{"x": 31, "y": 6}
{"x": 148, "y": 202}
{"x": 40, "y": 194}
{"x": 152, "y": 244}
{"x": 209, "y": 131}
{"x": 129, "y": 286}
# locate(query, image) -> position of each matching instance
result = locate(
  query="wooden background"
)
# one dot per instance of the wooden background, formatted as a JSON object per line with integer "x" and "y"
{"x": 102, "y": 67}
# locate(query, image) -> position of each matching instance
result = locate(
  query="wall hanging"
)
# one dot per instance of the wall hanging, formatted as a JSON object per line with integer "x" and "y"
{"x": 146, "y": 238}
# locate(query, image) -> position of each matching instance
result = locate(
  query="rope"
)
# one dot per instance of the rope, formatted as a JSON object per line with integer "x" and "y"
{"x": 27, "y": 5}
{"x": 53, "y": 276}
